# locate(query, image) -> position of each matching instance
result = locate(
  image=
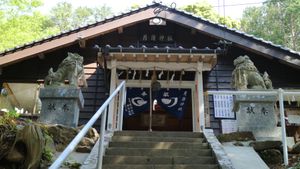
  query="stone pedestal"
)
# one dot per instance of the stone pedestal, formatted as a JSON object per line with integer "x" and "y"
{"x": 256, "y": 114}
{"x": 61, "y": 105}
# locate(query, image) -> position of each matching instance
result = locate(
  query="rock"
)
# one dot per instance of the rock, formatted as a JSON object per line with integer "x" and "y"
{"x": 62, "y": 135}
{"x": 83, "y": 149}
{"x": 264, "y": 145}
{"x": 85, "y": 145}
{"x": 87, "y": 142}
{"x": 238, "y": 143}
{"x": 92, "y": 133}
{"x": 60, "y": 147}
{"x": 72, "y": 165}
{"x": 271, "y": 156}
{"x": 236, "y": 136}
{"x": 296, "y": 148}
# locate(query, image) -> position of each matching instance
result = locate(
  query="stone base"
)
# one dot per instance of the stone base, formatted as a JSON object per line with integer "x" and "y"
{"x": 256, "y": 114}
{"x": 61, "y": 105}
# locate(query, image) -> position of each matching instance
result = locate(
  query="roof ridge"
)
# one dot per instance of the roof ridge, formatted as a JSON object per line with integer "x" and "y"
{"x": 147, "y": 6}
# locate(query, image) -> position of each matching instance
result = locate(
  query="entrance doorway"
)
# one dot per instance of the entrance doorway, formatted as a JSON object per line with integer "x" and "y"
{"x": 173, "y": 111}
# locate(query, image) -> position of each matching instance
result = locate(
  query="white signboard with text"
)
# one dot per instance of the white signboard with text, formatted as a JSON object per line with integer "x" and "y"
{"x": 223, "y": 106}
{"x": 229, "y": 126}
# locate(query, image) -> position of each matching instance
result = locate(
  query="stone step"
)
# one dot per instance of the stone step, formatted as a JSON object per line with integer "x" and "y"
{"x": 116, "y": 138}
{"x": 159, "y": 134}
{"x": 157, "y": 160}
{"x": 157, "y": 152}
{"x": 202, "y": 166}
{"x": 159, "y": 145}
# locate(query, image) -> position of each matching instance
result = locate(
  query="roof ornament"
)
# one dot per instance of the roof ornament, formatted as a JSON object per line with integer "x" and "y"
{"x": 173, "y": 5}
{"x": 157, "y": 1}
{"x": 159, "y": 9}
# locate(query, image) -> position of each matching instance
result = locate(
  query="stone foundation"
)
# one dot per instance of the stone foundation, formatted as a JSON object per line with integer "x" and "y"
{"x": 61, "y": 105}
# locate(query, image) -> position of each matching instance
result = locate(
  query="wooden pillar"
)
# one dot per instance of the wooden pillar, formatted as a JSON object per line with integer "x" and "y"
{"x": 200, "y": 98}
{"x": 194, "y": 101}
{"x": 112, "y": 111}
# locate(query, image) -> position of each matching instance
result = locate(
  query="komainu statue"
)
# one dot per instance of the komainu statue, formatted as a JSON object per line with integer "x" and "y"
{"x": 71, "y": 69}
{"x": 246, "y": 76}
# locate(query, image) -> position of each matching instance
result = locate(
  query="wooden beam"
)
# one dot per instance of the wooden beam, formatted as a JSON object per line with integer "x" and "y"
{"x": 193, "y": 31}
{"x": 164, "y": 83}
{"x": 81, "y": 42}
{"x": 111, "y": 118}
{"x": 124, "y": 65}
{"x": 120, "y": 29}
{"x": 11, "y": 94}
{"x": 41, "y": 56}
{"x": 200, "y": 108}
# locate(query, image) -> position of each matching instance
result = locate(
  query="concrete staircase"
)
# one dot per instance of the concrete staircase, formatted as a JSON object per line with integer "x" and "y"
{"x": 158, "y": 150}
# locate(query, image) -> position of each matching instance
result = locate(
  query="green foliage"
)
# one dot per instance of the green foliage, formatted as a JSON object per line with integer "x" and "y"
{"x": 61, "y": 15}
{"x": 66, "y": 17}
{"x": 9, "y": 120}
{"x": 101, "y": 12}
{"x": 12, "y": 114}
{"x": 47, "y": 155}
{"x": 276, "y": 20}
{"x": 22, "y": 29}
{"x": 20, "y": 21}
{"x": 205, "y": 10}
{"x": 134, "y": 6}
{"x": 297, "y": 166}
{"x": 9, "y": 116}
{"x": 13, "y": 8}
{"x": 72, "y": 165}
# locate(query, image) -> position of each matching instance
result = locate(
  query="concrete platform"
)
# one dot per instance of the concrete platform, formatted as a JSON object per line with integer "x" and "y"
{"x": 244, "y": 158}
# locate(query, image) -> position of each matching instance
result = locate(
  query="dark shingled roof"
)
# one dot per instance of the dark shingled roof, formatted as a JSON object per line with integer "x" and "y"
{"x": 157, "y": 5}
{"x": 166, "y": 49}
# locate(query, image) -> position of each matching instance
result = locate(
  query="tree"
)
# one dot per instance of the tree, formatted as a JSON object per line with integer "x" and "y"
{"x": 20, "y": 23}
{"x": 205, "y": 10}
{"x": 61, "y": 15}
{"x": 276, "y": 20}
{"x": 65, "y": 17}
{"x": 101, "y": 12}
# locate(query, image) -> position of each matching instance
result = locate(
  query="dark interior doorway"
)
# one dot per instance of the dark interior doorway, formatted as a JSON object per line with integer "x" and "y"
{"x": 161, "y": 120}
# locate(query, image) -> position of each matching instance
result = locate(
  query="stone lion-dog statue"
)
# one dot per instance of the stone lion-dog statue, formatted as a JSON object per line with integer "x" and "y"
{"x": 71, "y": 69}
{"x": 246, "y": 76}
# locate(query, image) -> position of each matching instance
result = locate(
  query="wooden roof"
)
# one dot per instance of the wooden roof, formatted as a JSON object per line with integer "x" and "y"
{"x": 238, "y": 38}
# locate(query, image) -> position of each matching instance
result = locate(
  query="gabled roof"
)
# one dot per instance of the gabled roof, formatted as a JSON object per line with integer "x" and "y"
{"x": 238, "y": 38}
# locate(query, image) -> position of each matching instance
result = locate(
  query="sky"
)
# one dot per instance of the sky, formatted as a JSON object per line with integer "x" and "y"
{"x": 233, "y": 8}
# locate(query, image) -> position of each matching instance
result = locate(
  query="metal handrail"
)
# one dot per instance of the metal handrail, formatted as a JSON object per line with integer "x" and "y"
{"x": 280, "y": 93}
{"x": 101, "y": 112}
